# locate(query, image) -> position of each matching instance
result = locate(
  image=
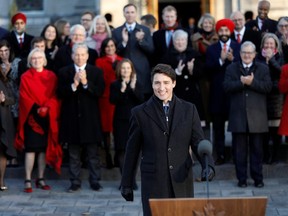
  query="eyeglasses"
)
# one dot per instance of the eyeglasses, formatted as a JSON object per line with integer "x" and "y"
{"x": 86, "y": 20}
{"x": 283, "y": 26}
{"x": 247, "y": 53}
{"x": 237, "y": 20}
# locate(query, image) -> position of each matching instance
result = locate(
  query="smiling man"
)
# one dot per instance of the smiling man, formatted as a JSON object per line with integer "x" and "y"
{"x": 163, "y": 129}
{"x": 248, "y": 82}
{"x": 218, "y": 56}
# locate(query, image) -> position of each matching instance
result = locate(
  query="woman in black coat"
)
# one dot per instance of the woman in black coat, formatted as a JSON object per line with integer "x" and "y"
{"x": 188, "y": 67}
{"x": 125, "y": 93}
{"x": 271, "y": 55}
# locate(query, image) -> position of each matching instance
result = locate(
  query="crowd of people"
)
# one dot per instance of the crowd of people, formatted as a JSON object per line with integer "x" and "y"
{"x": 73, "y": 88}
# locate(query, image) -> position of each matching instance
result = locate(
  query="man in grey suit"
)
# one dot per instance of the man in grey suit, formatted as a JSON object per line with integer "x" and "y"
{"x": 247, "y": 83}
{"x": 134, "y": 42}
{"x": 163, "y": 129}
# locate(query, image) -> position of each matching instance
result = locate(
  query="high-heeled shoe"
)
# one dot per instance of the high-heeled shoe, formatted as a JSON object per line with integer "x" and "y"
{"x": 3, "y": 188}
{"x": 28, "y": 189}
{"x": 43, "y": 186}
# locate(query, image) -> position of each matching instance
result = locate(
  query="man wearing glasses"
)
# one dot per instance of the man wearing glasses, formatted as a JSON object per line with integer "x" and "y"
{"x": 247, "y": 82}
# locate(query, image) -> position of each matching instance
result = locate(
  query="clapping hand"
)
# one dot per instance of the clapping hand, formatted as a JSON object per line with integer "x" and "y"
{"x": 179, "y": 68}
{"x": 133, "y": 81}
{"x": 140, "y": 35}
{"x": 2, "y": 96}
{"x": 190, "y": 66}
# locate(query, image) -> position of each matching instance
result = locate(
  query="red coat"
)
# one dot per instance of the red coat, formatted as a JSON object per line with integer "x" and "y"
{"x": 106, "y": 108}
{"x": 40, "y": 88}
{"x": 283, "y": 87}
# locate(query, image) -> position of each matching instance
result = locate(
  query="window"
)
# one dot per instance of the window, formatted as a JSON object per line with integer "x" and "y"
{"x": 29, "y": 5}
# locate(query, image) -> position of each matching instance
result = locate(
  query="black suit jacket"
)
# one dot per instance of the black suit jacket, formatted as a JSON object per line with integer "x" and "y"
{"x": 20, "y": 52}
{"x": 80, "y": 118}
{"x": 250, "y": 35}
{"x": 63, "y": 57}
{"x": 269, "y": 25}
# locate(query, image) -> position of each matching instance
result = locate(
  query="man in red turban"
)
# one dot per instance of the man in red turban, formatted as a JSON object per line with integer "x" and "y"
{"x": 218, "y": 56}
{"x": 19, "y": 40}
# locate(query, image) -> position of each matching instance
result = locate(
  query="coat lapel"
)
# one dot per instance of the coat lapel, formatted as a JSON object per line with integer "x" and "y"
{"x": 153, "y": 112}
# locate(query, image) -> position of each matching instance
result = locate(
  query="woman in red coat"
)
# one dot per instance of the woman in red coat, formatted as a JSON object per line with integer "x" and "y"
{"x": 107, "y": 62}
{"x": 37, "y": 132}
{"x": 283, "y": 87}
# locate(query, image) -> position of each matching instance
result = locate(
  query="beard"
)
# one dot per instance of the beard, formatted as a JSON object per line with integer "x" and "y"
{"x": 224, "y": 38}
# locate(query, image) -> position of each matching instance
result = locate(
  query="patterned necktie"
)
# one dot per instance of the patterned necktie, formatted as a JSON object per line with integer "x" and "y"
{"x": 238, "y": 38}
{"x": 225, "y": 47}
{"x": 166, "y": 109}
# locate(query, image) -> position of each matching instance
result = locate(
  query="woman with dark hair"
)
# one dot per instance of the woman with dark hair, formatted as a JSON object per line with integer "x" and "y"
{"x": 7, "y": 131}
{"x": 107, "y": 62}
{"x": 37, "y": 131}
{"x": 52, "y": 42}
{"x": 9, "y": 72}
{"x": 125, "y": 93}
{"x": 271, "y": 55}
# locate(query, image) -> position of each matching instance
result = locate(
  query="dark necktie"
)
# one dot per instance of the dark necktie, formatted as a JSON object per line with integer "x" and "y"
{"x": 246, "y": 70}
{"x": 21, "y": 42}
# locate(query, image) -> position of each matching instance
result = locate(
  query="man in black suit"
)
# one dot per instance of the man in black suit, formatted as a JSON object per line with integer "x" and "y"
{"x": 19, "y": 40}
{"x": 262, "y": 23}
{"x": 248, "y": 82}
{"x": 63, "y": 56}
{"x": 80, "y": 86}
{"x": 163, "y": 129}
{"x": 134, "y": 42}
{"x": 242, "y": 33}
{"x": 163, "y": 37}
{"x": 218, "y": 56}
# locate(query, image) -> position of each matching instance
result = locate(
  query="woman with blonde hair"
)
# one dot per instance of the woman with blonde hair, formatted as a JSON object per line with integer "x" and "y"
{"x": 37, "y": 132}
{"x": 98, "y": 32}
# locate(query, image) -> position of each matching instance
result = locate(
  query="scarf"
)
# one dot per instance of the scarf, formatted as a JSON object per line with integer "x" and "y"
{"x": 99, "y": 39}
{"x": 40, "y": 88}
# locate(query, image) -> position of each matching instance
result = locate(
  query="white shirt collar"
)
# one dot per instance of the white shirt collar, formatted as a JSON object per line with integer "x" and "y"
{"x": 241, "y": 32}
{"x": 245, "y": 65}
{"x": 77, "y": 68}
{"x": 227, "y": 43}
{"x": 130, "y": 25}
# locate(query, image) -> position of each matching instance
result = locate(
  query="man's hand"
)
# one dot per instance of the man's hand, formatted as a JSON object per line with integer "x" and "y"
{"x": 210, "y": 173}
{"x": 140, "y": 35}
{"x": 127, "y": 193}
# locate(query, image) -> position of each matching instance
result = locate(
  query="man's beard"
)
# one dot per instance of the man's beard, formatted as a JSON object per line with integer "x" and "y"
{"x": 224, "y": 38}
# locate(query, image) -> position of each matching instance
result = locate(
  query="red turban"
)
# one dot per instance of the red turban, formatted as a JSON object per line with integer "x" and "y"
{"x": 18, "y": 16}
{"x": 225, "y": 22}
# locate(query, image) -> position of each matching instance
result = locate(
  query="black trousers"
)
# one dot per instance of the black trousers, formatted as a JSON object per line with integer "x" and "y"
{"x": 246, "y": 145}
{"x": 93, "y": 162}
{"x": 218, "y": 121}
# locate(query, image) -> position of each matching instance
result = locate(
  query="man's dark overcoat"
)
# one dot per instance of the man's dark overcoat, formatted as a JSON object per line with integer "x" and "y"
{"x": 80, "y": 117}
{"x": 247, "y": 103}
{"x": 165, "y": 160}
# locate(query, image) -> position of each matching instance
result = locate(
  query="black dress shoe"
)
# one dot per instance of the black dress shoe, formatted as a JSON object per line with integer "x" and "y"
{"x": 242, "y": 184}
{"x": 73, "y": 188}
{"x": 259, "y": 184}
{"x": 220, "y": 161}
{"x": 96, "y": 186}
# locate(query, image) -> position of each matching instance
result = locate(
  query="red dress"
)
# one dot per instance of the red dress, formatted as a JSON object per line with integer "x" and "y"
{"x": 107, "y": 65}
{"x": 283, "y": 87}
{"x": 40, "y": 88}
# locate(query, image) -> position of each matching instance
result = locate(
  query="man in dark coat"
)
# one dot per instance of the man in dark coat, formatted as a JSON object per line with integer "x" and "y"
{"x": 218, "y": 57}
{"x": 162, "y": 38}
{"x": 248, "y": 82}
{"x": 80, "y": 86}
{"x": 242, "y": 33}
{"x": 163, "y": 129}
{"x": 19, "y": 40}
{"x": 134, "y": 42}
{"x": 262, "y": 23}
